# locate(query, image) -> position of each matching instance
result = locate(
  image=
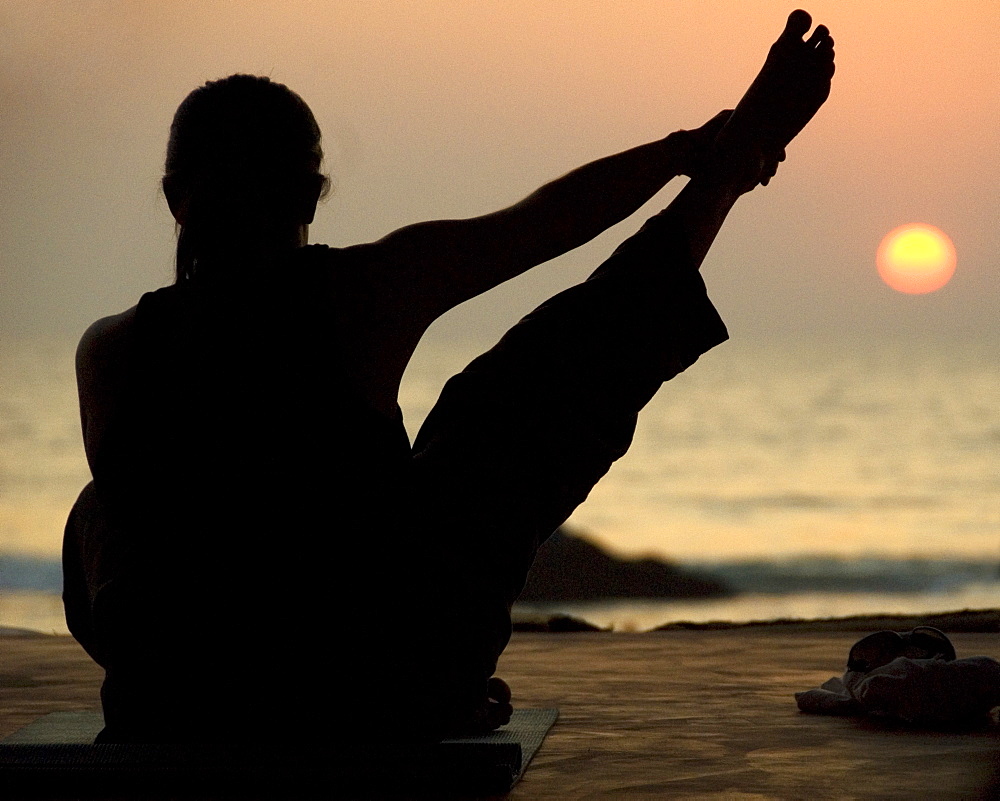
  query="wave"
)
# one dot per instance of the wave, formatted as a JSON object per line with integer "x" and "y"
{"x": 798, "y": 501}
{"x": 834, "y": 574}
{"x": 22, "y": 573}
{"x": 809, "y": 573}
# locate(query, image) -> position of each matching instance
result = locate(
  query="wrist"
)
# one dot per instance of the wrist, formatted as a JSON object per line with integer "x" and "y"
{"x": 680, "y": 153}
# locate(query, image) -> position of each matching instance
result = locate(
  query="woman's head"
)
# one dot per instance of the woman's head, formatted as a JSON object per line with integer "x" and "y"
{"x": 242, "y": 171}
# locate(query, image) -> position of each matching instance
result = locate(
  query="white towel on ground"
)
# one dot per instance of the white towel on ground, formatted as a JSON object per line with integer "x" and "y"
{"x": 934, "y": 691}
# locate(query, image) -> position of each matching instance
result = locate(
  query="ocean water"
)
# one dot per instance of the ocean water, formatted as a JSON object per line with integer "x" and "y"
{"x": 804, "y": 448}
{"x": 791, "y": 469}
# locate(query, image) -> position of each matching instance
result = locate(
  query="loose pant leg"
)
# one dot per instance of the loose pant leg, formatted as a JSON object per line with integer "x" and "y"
{"x": 111, "y": 625}
{"x": 520, "y": 437}
{"x": 83, "y": 539}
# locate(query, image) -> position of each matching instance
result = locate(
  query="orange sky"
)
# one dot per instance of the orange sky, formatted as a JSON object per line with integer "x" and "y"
{"x": 453, "y": 109}
{"x": 435, "y": 109}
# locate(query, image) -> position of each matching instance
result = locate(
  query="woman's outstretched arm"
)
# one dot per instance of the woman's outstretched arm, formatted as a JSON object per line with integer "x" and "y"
{"x": 446, "y": 262}
{"x": 400, "y": 284}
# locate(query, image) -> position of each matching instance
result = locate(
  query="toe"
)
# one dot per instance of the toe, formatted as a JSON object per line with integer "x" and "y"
{"x": 797, "y": 25}
{"x": 819, "y": 36}
{"x": 827, "y": 66}
{"x": 498, "y": 714}
{"x": 498, "y": 690}
{"x": 504, "y": 714}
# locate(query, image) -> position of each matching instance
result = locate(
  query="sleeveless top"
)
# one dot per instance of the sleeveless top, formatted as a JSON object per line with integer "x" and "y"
{"x": 258, "y": 503}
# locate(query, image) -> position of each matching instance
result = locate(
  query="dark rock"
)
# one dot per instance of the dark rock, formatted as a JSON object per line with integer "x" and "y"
{"x": 554, "y": 624}
{"x": 571, "y": 568}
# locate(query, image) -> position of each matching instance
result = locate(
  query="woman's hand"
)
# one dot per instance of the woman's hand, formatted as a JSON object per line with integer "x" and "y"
{"x": 701, "y": 153}
{"x": 695, "y": 146}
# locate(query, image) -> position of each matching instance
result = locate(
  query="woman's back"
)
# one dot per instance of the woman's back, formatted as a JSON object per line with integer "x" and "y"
{"x": 246, "y": 481}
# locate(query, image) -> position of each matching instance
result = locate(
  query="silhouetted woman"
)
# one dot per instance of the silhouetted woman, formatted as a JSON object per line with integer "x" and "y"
{"x": 261, "y": 550}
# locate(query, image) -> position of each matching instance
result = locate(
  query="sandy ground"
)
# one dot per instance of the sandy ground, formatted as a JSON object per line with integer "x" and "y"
{"x": 677, "y": 714}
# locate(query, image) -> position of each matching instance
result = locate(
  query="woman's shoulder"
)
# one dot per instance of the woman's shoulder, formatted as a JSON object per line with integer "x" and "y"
{"x": 339, "y": 259}
{"x": 324, "y": 273}
{"x": 322, "y": 260}
{"x": 101, "y": 364}
{"x": 105, "y": 337}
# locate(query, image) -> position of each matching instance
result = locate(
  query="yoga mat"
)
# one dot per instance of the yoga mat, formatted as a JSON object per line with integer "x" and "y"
{"x": 55, "y": 755}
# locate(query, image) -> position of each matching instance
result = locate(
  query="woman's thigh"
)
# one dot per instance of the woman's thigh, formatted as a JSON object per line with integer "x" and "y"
{"x": 518, "y": 439}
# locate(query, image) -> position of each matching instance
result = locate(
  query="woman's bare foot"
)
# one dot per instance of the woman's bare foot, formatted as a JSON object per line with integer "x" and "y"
{"x": 791, "y": 86}
{"x": 494, "y": 712}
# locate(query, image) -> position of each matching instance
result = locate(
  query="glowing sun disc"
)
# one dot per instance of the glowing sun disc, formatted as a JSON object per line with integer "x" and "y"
{"x": 916, "y": 258}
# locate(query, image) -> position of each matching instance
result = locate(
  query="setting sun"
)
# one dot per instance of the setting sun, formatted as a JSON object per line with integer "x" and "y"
{"x": 916, "y": 259}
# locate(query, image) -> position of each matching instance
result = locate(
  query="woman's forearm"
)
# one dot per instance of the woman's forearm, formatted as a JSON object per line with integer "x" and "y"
{"x": 574, "y": 209}
{"x": 444, "y": 263}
